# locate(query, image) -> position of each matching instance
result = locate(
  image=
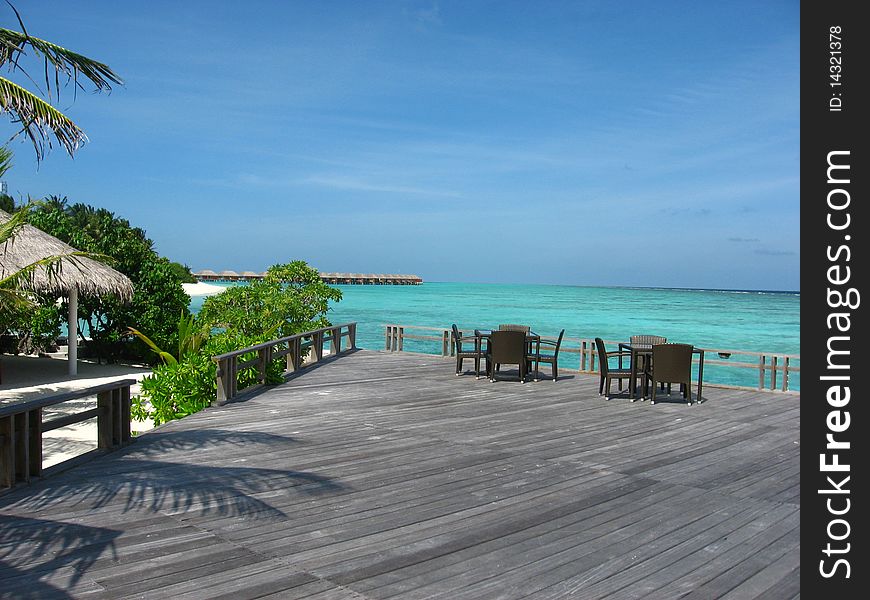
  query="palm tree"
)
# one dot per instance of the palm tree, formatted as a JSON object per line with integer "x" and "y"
{"x": 39, "y": 120}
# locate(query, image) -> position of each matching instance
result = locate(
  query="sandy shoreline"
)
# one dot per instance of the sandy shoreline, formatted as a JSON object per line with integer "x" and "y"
{"x": 202, "y": 289}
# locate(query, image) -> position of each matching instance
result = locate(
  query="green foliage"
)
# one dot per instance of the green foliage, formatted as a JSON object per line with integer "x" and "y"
{"x": 157, "y": 293}
{"x": 183, "y": 272}
{"x": 177, "y": 389}
{"x": 37, "y": 326}
{"x": 290, "y": 299}
{"x": 7, "y": 203}
{"x": 191, "y": 337}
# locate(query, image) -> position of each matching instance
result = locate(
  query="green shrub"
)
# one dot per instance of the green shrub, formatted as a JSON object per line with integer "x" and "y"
{"x": 175, "y": 390}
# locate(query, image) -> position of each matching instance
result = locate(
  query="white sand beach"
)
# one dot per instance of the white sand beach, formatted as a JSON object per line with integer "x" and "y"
{"x": 202, "y": 289}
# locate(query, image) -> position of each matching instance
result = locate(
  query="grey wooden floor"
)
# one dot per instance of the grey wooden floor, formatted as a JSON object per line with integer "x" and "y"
{"x": 383, "y": 475}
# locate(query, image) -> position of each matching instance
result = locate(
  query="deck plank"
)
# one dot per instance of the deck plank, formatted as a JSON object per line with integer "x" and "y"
{"x": 382, "y": 475}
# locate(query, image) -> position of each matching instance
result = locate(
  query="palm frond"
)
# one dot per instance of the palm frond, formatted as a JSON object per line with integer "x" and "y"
{"x": 38, "y": 119}
{"x": 64, "y": 61}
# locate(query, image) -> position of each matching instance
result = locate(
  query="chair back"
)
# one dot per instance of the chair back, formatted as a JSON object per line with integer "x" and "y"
{"x": 672, "y": 362}
{"x": 511, "y": 327}
{"x": 508, "y": 347}
{"x": 559, "y": 342}
{"x": 648, "y": 340}
{"x": 457, "y": 336}
{"x": 602, "y": 356}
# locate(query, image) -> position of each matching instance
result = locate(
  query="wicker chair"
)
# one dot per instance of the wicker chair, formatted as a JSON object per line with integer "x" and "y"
{"x": 511, "y": 327}
{"x": 671, "y": 363}
{"x": 463, "y": 353}
{"x": 552, "y": 359}
{"x": 607, "y": 373}
{"x": 507, "y": 347}
{"x": 646, "y": 340}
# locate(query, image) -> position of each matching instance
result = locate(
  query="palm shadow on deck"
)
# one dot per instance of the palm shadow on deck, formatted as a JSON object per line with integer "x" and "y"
{"x": 31, "y": 549}
{"x": 149, "y": 479}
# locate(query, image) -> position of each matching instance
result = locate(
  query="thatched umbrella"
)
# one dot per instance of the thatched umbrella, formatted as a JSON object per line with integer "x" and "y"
{"x": 73, "y": 276}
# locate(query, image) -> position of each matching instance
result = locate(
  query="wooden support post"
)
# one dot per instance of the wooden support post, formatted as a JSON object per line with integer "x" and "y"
{"x": 401, "y": 338}
{"x": 785, "y": 373}
{"x": 22, "y": 447}
{"x": 224, "y": 389}
{"x": 388, "y": 337}
{"x": 317, "y": 346}
{"x": 445, "y": 342}
{"x": 773, "y": 363}
{"x": 761, "y": 362}
{"x": 7, "y": 451}
{"x": 126, "y": 433}
{"x": 34, "y": 423}
{"x": 351, "y": 337}
{"x": 335, "y": 341}
{"x": 104, "y": 420}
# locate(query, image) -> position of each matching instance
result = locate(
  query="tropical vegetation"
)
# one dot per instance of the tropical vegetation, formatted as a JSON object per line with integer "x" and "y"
{"x": 158, "y": 297}
{"x": 290, "y": 299}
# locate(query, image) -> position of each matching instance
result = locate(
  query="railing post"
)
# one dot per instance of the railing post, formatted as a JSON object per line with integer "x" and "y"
{"x": 263, "y": 358}
{"x": 22, "y": 443}
{"x": 388, "y": 337}
{"x": 774, "y": 360}
{"x": 317, "y": 346}
{"x": 785, "y": 374}
{"x": 351, "y": 336}
{"x": 224, "y": 393}
{"x": 7, "y": 451}
{"x": 761, "y": 362}
{"x": 126, "y": 433}
{"x": 104, "y": 420}
{"x": 445, "y": 342}
{"x": 401, "y": 338}
{"x": 34, "y": 433}
{"x": 335, "y": 342}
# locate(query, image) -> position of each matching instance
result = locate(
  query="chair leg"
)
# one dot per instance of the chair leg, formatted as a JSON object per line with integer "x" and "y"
{"x": 477, "y": 367}
{"x": 555, "y": 371}
{"x": 458, "y": 366}
{"x": 689, "y": 392}
{"x": 601, "y": 384}
{"x": 652, "y": 399}
{"x": 607, "y": 393}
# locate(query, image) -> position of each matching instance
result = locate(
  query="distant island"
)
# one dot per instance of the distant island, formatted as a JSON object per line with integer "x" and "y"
{"x": 332, "y": 278}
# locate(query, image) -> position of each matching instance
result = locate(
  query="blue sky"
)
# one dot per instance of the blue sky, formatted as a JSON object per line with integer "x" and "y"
{"x": 583, "y": 143}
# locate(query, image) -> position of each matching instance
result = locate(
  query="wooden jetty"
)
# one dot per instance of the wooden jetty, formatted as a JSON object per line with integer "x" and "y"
{"x": 378, "y": 475}
{"x": 331, "y": 278}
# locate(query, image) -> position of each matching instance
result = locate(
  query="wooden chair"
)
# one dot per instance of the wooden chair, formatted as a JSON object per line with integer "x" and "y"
{"x": 671, "y": 363}
{"x": 552, "y": 359}
{"x": 608, "y": 373}
{"x": 507, "y": 348}
{"x": 463, "y": 353}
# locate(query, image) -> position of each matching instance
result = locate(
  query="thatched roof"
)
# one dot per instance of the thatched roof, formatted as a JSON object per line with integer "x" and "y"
{"x": 88, "y": 276}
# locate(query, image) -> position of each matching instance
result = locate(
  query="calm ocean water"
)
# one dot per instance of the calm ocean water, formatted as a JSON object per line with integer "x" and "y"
{"x": 731, "y": 320}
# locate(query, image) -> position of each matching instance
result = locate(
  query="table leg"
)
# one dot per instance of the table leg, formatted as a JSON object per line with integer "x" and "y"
{"x": 700, "y": 374}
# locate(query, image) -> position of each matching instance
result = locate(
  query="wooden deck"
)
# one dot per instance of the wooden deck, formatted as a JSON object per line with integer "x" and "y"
{"x": 382, "y": 475}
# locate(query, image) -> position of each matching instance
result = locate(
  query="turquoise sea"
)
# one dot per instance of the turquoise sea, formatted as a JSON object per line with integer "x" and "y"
{"x": 722, "y": 319}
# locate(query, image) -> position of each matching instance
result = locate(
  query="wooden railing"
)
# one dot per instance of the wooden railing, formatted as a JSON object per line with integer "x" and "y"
{"x": 22, "y": 426}
{"x": 773, "y": 370}
{"x": 295, "y": 348}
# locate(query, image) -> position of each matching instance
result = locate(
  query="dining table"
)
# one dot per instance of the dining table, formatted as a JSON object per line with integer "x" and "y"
{"x": 644, "y": 351}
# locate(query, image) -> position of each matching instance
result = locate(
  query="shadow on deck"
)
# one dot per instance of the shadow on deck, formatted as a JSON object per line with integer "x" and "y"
{"x": 382, "y": 475}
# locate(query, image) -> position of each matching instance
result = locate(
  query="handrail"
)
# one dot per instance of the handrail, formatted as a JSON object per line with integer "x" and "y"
{"x": 774, "y": 369}
{"x": 22, "y": 426}
{"x": 294, "y": 347}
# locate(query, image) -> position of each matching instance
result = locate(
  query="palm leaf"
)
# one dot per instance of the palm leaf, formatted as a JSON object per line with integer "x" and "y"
{"x": 166, "y": 356}
{"x": 38, "y": 119}
{"x": 64, "y": 61}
